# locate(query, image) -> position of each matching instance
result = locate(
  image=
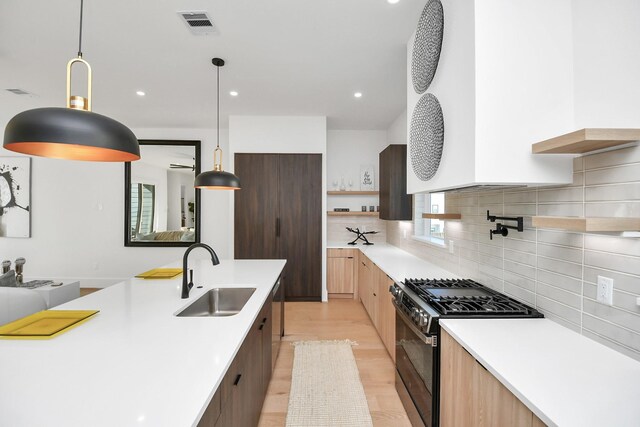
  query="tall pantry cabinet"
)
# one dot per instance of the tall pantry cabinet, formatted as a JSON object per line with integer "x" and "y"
{"x": 278, "y": 215}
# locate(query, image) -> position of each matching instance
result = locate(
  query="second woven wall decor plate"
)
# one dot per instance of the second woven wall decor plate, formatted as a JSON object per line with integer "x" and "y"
{"x": 427, "y": 45}
{"x": 427, "y": 137}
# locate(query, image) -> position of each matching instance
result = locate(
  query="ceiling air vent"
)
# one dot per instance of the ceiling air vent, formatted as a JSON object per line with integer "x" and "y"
{"x": 18, "y": 91}
{"x": 198, "y": 22}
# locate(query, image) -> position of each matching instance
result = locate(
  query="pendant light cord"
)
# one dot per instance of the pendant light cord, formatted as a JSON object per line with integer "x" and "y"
{"x": 80, "y": 32}
{"x": 218, "y": 109}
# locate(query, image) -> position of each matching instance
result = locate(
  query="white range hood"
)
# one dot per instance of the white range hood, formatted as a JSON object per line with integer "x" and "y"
{"x": 504, "y": 81}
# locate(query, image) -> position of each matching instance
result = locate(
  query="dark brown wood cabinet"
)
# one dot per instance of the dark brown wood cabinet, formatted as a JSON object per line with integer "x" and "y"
{"x": 238, "y": 401}
{"x": 395, "y": 203}
{"x": 278, "y": 215}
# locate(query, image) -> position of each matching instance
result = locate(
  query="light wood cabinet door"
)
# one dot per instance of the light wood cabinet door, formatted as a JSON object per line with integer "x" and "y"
{"x": 364, "y": 283}
{"x": 471, "y": 396}
{"x": 457, "y": 404}
{"x": 340, "y": 275}
{"x": 497, "y": 405}
{"x": 386, "y": 314}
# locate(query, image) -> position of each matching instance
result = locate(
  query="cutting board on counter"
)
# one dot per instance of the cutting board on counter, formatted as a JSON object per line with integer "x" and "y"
{"x": 45, "y": 324}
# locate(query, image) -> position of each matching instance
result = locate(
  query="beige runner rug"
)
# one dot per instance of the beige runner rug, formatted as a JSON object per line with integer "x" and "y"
{"x": 325, "y": 386}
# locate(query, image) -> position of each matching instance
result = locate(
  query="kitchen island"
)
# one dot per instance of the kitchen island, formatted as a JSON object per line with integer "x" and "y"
{"x": 135, "y": 363}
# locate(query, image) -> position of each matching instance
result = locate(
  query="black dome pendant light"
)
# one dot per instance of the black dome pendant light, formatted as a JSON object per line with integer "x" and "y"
{"x": 74, "y": 132}
{"x": 217, "y": 179}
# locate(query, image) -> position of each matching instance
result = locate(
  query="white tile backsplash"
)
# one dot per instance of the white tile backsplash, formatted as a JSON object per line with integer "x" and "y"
{"x": 561, "y": 281}
{"x": 615, "y": 192}
{"x": 622, "y": 209}
{"x": 555, "y": 271}
{"x": 563, "y": 194}
{"x": 520, "y": 257}
{"x": 559, "y": 295}
{"x": 562, "y": 238}
{"x": 625, "y": 173}
{"x": 612, "y": 158}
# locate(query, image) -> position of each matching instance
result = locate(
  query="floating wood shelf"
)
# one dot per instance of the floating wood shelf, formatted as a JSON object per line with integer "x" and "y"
{"x": 442, "y": 216}
{"x": 353, "y": 193}
{"x": 352, "y": 213}
{"x": 587, "y": 224}
{"x": 585, "y": 140}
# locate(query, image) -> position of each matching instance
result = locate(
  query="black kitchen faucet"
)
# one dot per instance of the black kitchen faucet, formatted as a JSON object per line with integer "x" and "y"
{"x": 186, "y": 286}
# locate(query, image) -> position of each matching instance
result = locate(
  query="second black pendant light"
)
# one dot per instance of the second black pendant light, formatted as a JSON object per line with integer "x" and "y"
{"x": 217, "y": 179}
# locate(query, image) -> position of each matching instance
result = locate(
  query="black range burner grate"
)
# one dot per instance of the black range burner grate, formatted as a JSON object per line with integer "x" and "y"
{"x": 416, "y": 284}
{"x": 483, "y": 305}
{"x": 467, "y": 298}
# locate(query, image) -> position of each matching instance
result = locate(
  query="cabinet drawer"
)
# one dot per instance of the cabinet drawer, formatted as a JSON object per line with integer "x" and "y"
{"x": 342, "y": 253}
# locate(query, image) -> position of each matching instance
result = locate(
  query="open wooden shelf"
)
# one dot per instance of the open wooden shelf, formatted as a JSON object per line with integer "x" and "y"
{"x": 353, "y": 193}
{"x": 585, "y": 140}
{"x": 352, "y": 213}
{"x": 572, "y": 223}
{"x": 442, "y": 216}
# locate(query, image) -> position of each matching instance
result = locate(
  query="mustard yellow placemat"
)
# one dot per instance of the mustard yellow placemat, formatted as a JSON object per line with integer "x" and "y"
{"x": 45, "y": 324}
{"x": 160, "y": 273}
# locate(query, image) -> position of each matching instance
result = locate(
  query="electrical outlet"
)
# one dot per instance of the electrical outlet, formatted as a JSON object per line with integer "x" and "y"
{"x": 605, "y": 290}
{"x": 451, "y": 250}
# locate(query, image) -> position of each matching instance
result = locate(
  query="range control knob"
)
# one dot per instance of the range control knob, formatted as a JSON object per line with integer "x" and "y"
{"x": 415, "y": 314}
{"x": 424, "y": 319}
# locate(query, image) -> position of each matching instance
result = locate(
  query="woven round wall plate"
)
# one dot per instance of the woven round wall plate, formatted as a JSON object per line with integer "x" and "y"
{"x": 427, "y": 45}
{"x": 427, "y": 137}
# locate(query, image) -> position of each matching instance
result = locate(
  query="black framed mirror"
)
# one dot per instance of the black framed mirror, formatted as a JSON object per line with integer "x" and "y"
{"x": 161, "y": 206}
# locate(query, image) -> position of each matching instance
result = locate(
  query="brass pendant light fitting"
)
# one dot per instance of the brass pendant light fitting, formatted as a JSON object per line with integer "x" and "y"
{"x": 217, "y": 179}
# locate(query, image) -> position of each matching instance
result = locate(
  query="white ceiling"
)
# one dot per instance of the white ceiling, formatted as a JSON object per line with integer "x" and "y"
{"x": 284, "y": 57}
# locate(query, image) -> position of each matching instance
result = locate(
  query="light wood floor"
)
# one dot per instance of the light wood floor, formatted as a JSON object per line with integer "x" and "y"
{"x": 337, "y": 319}
{"x": 87, "y": 291}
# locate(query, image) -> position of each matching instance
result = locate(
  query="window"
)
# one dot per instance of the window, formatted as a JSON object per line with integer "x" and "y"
{"x": 429, "y": 230}
{"x": 142, "y": 208}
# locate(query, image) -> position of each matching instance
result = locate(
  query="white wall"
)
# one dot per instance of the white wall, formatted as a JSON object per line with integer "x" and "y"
{"x": 78, "y": 218}
{"x": 607, "y": 63}
{"x": 347, "y": 151}
{"x": 282, "y": 134}
{"x": 397, "y": 132}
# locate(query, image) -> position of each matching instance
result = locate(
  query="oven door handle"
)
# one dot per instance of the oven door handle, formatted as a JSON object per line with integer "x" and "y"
{"x": 424, "y": 338}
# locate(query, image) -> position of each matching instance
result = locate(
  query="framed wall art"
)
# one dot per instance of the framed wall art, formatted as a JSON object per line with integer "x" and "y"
{"x": 15, "y": 197}
{"x": 366, "y": 178}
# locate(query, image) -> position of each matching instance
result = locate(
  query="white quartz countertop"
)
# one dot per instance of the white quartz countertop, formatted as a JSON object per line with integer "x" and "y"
{"x": 134, "y": 363}
{"x": 564, "y": 378}
{"x": 396, "y": 263}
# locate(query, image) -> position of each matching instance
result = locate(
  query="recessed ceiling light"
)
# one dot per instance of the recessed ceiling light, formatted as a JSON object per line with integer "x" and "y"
{"x": 140, "y": 93}
{"x": 358, "y": 94}
{"x": 392, "y": 1}
{"x": 233, "y": 93}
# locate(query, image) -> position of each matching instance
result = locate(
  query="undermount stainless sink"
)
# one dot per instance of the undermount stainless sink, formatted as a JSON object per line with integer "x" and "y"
{"x": 218, "y": 302}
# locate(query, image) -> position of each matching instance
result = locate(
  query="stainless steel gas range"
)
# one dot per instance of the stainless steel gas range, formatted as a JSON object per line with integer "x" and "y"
{"x": 420, "y": 304}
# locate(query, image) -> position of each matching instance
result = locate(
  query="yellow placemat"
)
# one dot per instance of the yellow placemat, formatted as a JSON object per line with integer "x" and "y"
{"x": 45, "y": 324}
{"x": 160, "y": 273}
